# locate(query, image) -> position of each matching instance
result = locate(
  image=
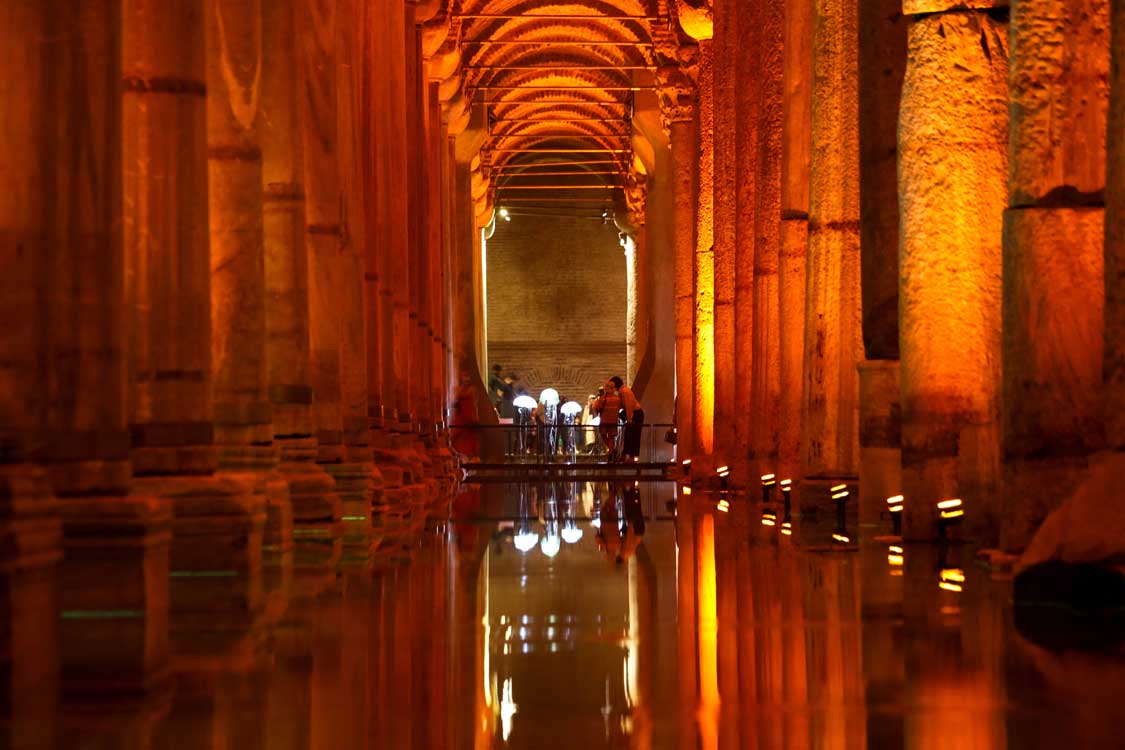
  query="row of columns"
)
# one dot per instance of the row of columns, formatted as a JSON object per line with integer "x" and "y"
{"x": 228, "y": 261}
{"x": 898, "y": 253}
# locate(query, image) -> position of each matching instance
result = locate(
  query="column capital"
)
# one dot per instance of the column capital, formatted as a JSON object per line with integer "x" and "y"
{"x": 696, "y": 18}
{"x": 924, "y": 7}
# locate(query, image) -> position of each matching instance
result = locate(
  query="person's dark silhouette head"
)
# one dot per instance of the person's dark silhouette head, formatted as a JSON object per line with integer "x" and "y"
{"x": 617, "y": 382}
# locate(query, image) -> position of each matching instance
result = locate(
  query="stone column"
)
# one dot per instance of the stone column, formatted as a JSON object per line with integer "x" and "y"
{"x": 747, "y": 85}
{"x": 359, "y": 481}
{"x": 953, "y": 164}
{"x": 833, "y": 343}
{"x": 882, "y": 56}
{"x": 242, "y": 412}
{"x": 683, "y": 166}
{"x": 312, "y": 491}
{"x": 322, "y": 227}
{"x": 725, "y": 188}
{"x": 1115, "y": 238}
{"x": 703, "y": 310}
{"x": 1054, "y": 232}
{"x": 64, "y": 442}
{"x": 765, "y": 382}
{"x": 795, "y": 146}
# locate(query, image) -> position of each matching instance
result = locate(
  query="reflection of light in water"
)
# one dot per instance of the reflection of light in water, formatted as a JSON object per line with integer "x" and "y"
{"x": 550, "y": 545}
{"x": 526, "y": 541}
{"x": 571, "y": 534}
{"x": 508, "y": 709}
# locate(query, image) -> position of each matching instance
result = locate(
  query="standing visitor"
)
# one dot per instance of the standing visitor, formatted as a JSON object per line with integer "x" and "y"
{"x": 498, "y": 389}
{"x": 607, "y": 407}
{"x": 634, "y": 420}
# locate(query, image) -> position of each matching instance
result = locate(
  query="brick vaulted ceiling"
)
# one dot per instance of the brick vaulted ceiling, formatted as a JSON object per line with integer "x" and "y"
{"x": 557, "y": 88}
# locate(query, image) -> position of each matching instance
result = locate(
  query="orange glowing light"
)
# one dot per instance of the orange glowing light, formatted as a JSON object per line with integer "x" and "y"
{"x": 839, "y": 487}
{"x": 955, "y": 575}
{"x": 951, "y": 586}
{"x": 687, "y": 490}
{"x": 841, "y": 538}
{"x": 949, "y": 504}
{"x": 722, "y": 470}
{"x": 895, "y": 559}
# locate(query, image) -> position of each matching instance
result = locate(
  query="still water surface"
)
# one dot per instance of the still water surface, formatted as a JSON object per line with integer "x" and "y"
{"x": 599, "y": 616}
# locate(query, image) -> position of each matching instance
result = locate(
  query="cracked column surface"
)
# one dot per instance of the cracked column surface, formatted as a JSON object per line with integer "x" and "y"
{"x": 1053, "y": 307}
{"x": 833, "y": 336}
{"x": 953, "y": 168}
{"x": 683, "y": 197}
{"x": 312, "y": 491}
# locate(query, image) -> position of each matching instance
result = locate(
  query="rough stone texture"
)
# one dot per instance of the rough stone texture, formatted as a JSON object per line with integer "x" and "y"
{"x": 556, "y": 293}
{"x": 747, "y": 83}
{"x": 953, "y": 161}
{"x": 703, "y": 350}
{"x": 922, "y": 7}
{"x": 1059, "y": 88}
{"x": 683, "y": 264}
{"x": 795, "y": 154}
{"x": 725, "y": 192}
{"x": 1052, "y": 344}
{"x": 882, "y": 64}
{"x": 833, "y": 330}
{"x": 765, "y": 383}
{"x": 880, "y": 439}
{"x": 791, "y": 327}
{"x": 1115, "y": 239}
{"x": 166, "y": 237}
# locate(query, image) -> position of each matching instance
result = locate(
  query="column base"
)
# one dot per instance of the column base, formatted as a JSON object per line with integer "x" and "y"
{"x": 216, "y": 557}
{"x": 880, "y": 440}
{"x": 114, "y": 594}
{"x": 30, "y": 550}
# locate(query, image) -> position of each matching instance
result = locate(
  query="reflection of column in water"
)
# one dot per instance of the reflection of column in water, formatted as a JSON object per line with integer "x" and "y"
{"x": 708, "y": 633}
{"x": 833, "y": 651}
{"x": 686, "y": 653}
{"x": 954, "y": 684}
{"x": 881, "y": 599}
{"x": 766, "y": 601}
{"x": 728, "y": 539}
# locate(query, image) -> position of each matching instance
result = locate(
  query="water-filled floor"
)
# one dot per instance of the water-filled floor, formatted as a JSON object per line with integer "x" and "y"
{"x": 596, "y": 616}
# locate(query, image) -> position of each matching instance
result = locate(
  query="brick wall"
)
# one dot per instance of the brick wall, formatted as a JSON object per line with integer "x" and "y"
{"x": 557, "y": 302}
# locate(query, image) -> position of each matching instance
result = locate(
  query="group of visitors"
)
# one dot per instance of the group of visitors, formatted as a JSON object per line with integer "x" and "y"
{"x": 616, "y": 403}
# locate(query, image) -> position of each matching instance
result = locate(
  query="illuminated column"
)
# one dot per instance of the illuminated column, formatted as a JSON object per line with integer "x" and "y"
{"x": 765, "y": 385}
{"x": 683, "y": 165}
{"x": 242, "y": 413}
{"x": 322, "y": 224}
{"x": 358, "y": 479}
{"x": 833, "y": 344}
{"x": 726, "y": 53}
{"x": 703, "y": 351}
{"x": 312, "y": 491}
{"x": 953, "y": 164}
{"x": 1115, "y": 238}
{"x": 747, "y": 39}
{"x": 795, "y": 147}
{"x": 1054, "y": 233}
{"x": 882, "y": 55}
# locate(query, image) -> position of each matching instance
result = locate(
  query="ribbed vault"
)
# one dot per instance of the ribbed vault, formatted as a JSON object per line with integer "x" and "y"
{"x": 555, "y": 87}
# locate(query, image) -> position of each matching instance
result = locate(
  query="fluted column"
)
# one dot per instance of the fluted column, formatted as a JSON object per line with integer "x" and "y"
{"x": 833, "y": 343}
{"x": 312, "y": 491}
{"x": 795, "y": 149}
{"x": 1115, "y": 237}
{"x": 1054, "y": 233}
{"x": 882, "y": 56}
{"x": 765, "y": 383}
{"x": 953, "y": 164}
{"x": 322, "y": 226}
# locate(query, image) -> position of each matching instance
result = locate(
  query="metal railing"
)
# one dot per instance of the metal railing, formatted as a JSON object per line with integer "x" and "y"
{"x": 537, "y": 443}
